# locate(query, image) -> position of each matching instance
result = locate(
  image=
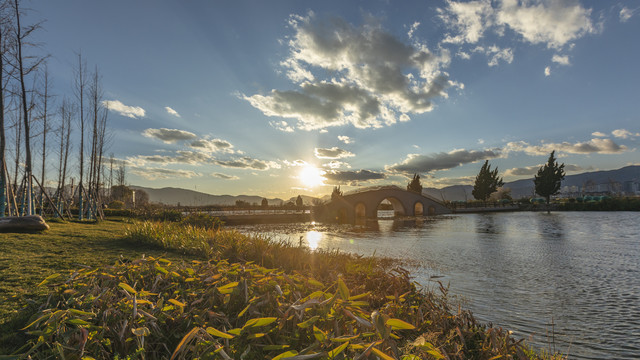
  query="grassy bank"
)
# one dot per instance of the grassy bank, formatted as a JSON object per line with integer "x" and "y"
{"x": 219, "y": 294}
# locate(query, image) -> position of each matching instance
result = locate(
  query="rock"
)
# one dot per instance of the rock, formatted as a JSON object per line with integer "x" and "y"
{"x": 23, "y": 223}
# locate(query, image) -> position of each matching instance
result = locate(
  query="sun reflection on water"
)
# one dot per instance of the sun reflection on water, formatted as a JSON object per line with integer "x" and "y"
{"x": 313, "y": 239}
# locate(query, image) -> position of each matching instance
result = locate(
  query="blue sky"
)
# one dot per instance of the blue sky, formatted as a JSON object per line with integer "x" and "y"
{"x": 293, "y": 97}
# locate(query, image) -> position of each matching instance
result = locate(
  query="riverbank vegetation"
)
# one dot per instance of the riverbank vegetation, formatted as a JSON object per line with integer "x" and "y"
{"x": 88, "y": 290}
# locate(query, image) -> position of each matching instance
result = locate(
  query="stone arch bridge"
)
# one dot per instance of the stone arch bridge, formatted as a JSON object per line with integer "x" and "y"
{"x": 364, "y": 204}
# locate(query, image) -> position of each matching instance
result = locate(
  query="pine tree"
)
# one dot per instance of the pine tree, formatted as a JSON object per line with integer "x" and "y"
{"x": 299, "y": 201}
{"x": 549, "y": 178}
{"x": 336, "y": 193}
{"x": 414, "y": 185}
{"x": 487, "y": 182}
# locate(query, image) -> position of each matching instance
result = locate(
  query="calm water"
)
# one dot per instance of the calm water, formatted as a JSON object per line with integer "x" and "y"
{"x": 522, "y": 271}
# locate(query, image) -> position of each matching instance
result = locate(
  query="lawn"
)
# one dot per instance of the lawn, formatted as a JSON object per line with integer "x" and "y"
{"x": 27, "y": 258}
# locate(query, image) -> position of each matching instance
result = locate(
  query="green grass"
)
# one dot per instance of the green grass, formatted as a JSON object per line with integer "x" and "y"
{"x": 203, "y": 292}
{"x": 27, "y": 258}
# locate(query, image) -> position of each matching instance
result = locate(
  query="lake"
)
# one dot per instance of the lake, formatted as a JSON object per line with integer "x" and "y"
{"x": 569, "y": 280}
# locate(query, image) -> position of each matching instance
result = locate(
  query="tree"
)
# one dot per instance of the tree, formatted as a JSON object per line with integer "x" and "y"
{"x": 299, "y": 201}
{"x": 549, "y": 178}
{"x": 487, "y": 182}
{"x": 79, "y": 88}
{"x": 336, "y": 193}
{"x": 265, "y": 203}
{"x": 414, "y": 185}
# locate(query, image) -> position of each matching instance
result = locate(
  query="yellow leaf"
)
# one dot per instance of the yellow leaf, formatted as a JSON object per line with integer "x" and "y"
{"x": 397, "y": 324}
{"x": 381, "y": 354}
{"x": 219, "y": 333}
{"x": 49, "y": 278}
{"x": 311, "y": 321}
{"x": 319, "y": 334}
{"x": 287, "y": 354}
{"x": 127, "y": 287}
{"x": 333, "y": 353}
{"x": 177, "y": 303}
{"x": 343, "y": 289}
{"x": 259, "y": 322}
{"x": 184, "y": 341}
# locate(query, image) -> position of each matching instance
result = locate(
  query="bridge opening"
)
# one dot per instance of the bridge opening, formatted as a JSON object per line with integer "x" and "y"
{"x": 418, "y": 209}
{"x": 390, "y": 208}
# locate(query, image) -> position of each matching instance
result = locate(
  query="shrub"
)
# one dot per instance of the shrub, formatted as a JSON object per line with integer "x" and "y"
{"x": 202, "y": 220}
{"x": 116, "y": 205}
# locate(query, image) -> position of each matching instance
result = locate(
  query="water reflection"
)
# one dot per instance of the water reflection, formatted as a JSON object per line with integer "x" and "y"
{"x": 551, "y": 226}
{"x": 313, "y": 239}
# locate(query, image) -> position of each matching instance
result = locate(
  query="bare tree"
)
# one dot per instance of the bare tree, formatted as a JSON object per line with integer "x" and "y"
{"x": 66, "y": 115}
{"x": 23, "y": 70}
{"x": 79, "y": 88}
{"x": 45, "y": 129}
{"x": 3, "y": 165}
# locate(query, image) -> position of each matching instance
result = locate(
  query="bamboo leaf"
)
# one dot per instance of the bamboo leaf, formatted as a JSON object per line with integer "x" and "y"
{"x": 381, "y": 354}
{"x": 218, "y": 333}
{"x": 77, "y": 322}
{"x": 285, "y": 355}
{"x": 141, "y": 331}
{"x": 333, "y": 353}
{"x": 343, "y": 290}
{"x": 319, "y": 334}
{"x": 49, "y": 278}
{"x": 127, "y": 287}
{"x": 397, "y": 324}
{"x": 275, "y": 347}
{"x": 311, "y": 321}
{"x": 177, "y": 303}
{"x": 184, "y": 342}
{"x": 259, "y": 322}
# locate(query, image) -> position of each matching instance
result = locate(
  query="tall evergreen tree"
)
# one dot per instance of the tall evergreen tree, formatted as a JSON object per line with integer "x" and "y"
{"x": 487, "y": 182}
{"x": 549, "y": 178}
{"x": 336, "y": 193}
{"x": 415, "y": 185}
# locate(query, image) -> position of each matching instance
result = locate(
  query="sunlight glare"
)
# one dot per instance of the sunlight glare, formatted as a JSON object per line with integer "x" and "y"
{"x": 313, "y": 239}
{"x": 311, "y": 176}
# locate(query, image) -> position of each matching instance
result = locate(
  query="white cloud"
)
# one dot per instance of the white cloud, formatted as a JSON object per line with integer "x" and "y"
{"x": 598, "y": 146}
{"x": 332, "y": 153}
{"x": 417, "y": 163}
{"x": 413, "y": 29}
{"x": 561, "y": 59}
{"x": 247, "y": 163}
{"x": 371, "y": 78}
{"x": 532, "y": 170}
{"x": 547, "y": 71}
{"x": 598, "y": 134}
{"x": 133, "y": 112}
{"x": 624, "y": 134}
{"x": 335, "y": 164}
{"x": 180, "y": 157}
{"x": 554, "y": 23}
{"x": 626, "y": 14}
{"x": 170, "y": 111}
{"x": 169, "y": 136}
{"x": 498, "y": 54}
{"x": 224, "y": 176}
{"x": 213, "y": 145}
{"x": 162, "y": 173}
{"x": 345, "y": 139}
{"x": 281, "y": 125}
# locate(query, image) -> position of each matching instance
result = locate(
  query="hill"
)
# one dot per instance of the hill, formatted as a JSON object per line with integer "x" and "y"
{"x": 620, "y": 180}
{"x": 626, "y": 179}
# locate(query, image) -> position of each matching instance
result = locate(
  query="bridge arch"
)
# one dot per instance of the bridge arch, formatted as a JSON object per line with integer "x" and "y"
{"x": 364, "y": 204}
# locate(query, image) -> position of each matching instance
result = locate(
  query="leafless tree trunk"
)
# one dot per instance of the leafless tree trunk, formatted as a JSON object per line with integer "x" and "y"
{"x": 24, "y": 70}
{"x": 3, "y": 50}
{"x": 45, "y": 130}
{"x": 80, "y": 83}
{"x": 66, "y": 115}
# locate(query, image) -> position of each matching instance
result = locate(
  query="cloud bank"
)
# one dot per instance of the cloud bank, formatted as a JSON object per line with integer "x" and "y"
{"x": 169, "y": 136}
{"x": 332, "y": 153}
{"x": 420, "y": 164}
{"x": 374, "y": 78}
{"x": 133, "y": 112}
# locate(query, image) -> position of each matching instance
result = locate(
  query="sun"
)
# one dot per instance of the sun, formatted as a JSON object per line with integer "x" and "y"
{"x": 311, "y": 176}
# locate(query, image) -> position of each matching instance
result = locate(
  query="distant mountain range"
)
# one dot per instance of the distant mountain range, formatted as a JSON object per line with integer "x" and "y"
{"x": 519, "y": 189}
{"x": 524, "y": 188}
{"x": 184, "y": 197}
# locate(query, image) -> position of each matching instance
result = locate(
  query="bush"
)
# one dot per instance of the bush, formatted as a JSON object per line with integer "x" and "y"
{"x": 116, "y": 205}
{"x": 202, "y": 220}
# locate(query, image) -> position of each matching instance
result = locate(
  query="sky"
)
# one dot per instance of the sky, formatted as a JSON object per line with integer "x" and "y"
{"x": 280, "y": 98}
